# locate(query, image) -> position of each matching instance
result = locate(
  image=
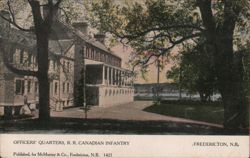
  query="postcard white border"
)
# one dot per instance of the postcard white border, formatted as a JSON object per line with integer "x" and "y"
{"x": 126, "y": 146}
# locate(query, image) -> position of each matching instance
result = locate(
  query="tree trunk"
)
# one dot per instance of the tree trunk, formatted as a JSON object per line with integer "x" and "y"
{"x": 235, "y": 106}
{"x": 42, "y": 31}
{"x": 231, "y": 84}
{"x": 202, "y": 97}
{"x": 228, "y": 72}
{"x": 44, "y": 93}
{"x": 234, "y": 98}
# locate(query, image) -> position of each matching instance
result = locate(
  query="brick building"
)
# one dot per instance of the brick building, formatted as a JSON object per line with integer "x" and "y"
{"x": 75, "y": 59}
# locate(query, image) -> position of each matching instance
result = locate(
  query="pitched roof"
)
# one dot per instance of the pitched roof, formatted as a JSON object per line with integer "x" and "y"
{"x": 60, "y": 47}
{"x": 59, "y": 30}
{"x": 27, "y": 40}
{"x": 18, "y": 37}
{"x": 87, "y": 39}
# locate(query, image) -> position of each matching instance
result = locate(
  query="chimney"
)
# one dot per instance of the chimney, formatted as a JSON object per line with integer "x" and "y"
{"x": 3, "y": 23}
{"x": 100, "y": 37}
{"x": 56, "y": 13}
{"x": 82, "y": 26}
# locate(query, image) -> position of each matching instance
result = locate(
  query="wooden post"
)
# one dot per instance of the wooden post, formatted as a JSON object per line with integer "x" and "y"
{"x": 103, "y": 75}
{"x": 84, "y": 79}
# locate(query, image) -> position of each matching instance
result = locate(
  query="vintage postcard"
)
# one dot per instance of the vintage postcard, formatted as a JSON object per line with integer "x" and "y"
{"x": 124, "y": 78}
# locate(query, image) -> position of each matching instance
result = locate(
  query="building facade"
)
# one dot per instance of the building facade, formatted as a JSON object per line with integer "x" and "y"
{"x": 79, "y": 67}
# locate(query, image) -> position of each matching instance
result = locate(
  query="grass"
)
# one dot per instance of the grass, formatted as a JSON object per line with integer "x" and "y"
{"x": 108, "y": 126}
{"x": 195, "y": 110}
{"x": 59, "y": 125}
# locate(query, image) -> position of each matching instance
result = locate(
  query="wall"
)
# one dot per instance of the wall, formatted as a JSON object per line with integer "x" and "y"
{"x": 64, "y": 78}
{"x": 113, "y": 95}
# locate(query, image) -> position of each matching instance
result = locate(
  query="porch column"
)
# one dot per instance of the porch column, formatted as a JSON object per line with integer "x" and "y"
{"x": 108, "y": 75}
{"x": 120, "y": 78}
{"x": 129, "y": 79}
{"x": 111, "y": 76}
{"x": 123, "y": 78}
{"x": 126, "y": 79}
{"x": 103, "y": 75}
{"x": 115, "y": 77}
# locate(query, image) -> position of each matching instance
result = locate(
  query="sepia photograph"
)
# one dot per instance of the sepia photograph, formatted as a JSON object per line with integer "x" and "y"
{"x": 101, "y": 70}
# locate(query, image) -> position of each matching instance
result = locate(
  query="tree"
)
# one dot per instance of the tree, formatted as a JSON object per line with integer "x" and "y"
{"x": 154, "y": 27}
{"x": 220, "y": 38}
{"x": 196, "y": 70}
{"x": 42, "y": 30}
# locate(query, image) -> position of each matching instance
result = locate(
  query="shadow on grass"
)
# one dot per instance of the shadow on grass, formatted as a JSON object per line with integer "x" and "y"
{"x": 109, "y": 126}
{"x": 211, "y": 112}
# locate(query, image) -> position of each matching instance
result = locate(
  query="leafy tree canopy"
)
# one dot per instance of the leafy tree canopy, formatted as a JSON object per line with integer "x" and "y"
{"x": 153, "y": 27}
{"x": 195, "y": 71}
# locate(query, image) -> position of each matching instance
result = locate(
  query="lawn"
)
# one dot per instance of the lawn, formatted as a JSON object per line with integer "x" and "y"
{"x": 195, "y": 110}
{"x": 106, "y": 126}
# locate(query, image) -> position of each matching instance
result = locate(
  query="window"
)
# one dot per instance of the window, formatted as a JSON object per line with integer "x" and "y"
{"x": 83, "y": 51}
{"x": 108, "y": 60}
{"x": 63, "y": 64}
{"x": 54, "y": 65}
{"x": 36, "y": 87}
{"x": 55, "y": 88}
{"x": 68, "y": 67}
{"x": 111, "y": 61}
{"x": 90, "y": 53}
{"x": 97, "y": 55}
{"x": 107, "y": 57}
{"x": 19, "y": 87}
{"x": 101, "y": 57}
{"x": 29, "y": 60}
{"x": 29, "y": 86}
{"x": 93, "y": 54}
{"x": 35, "y": 60}
{"x": 63, "y": 87}
{"x": 68, "y": 87}
{"x": 21, "y": 56}
{"x": 87, "y": 52}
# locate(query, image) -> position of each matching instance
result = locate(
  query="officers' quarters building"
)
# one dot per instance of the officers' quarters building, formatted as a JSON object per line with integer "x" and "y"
{"x": 78, "y": 65}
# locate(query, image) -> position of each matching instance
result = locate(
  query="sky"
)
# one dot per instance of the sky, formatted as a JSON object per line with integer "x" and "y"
{"x": 151, "y": 76}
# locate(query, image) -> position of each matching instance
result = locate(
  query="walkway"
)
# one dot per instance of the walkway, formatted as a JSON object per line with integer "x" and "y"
{"x": 131, "y": 111}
